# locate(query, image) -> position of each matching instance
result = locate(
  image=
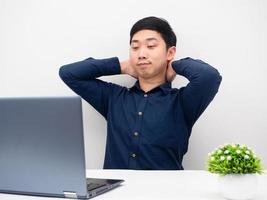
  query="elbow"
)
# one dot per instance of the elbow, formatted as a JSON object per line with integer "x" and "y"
{"x": 63, "y": 72}
{"x": 209, "y": 75}
{"x": 214, "y": 78}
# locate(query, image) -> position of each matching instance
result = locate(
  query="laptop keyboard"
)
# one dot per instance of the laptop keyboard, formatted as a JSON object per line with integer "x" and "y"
{"x": 92, "y": 186}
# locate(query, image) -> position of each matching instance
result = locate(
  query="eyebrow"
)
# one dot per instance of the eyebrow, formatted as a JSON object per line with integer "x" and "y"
{"x": 148, "y": 39}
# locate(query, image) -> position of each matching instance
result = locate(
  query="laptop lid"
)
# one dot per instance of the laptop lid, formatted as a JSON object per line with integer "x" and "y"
{"x": 42, "y": 146}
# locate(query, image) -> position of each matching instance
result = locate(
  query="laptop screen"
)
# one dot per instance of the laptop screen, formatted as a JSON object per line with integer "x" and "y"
{"x": 42, "y": 146}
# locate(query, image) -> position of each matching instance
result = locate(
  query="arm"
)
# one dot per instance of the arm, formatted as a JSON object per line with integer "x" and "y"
{"x": 204, "y": 82}
{"x": 81, "y": 78}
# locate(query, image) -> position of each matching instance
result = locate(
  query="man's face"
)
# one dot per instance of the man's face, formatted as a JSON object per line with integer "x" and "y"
{"x": 148, "y": 54}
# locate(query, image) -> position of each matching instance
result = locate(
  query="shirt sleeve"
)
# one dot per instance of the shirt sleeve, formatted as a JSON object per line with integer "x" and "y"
{"x": 204, "y": 82}
{"x": 81, "y": 77}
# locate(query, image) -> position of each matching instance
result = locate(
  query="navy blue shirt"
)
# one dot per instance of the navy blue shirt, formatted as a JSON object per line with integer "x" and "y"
{"x": 144, "y": 130}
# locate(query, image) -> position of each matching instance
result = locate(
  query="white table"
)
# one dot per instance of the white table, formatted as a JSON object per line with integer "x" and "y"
{"x": 169, "y": 185}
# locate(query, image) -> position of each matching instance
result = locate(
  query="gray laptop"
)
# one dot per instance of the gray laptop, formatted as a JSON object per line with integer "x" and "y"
{"x": 42, "y": 149}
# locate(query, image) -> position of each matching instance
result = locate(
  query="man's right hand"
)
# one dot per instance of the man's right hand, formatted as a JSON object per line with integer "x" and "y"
{"x": 126, "y": 68}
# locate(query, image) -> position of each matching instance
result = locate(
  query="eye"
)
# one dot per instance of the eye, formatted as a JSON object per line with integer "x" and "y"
{"x": 134, "y": 48}
{"x": 151, "y": 46}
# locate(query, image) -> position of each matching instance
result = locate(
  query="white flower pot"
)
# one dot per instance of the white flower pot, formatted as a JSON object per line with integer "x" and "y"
{"x": 238, "y": 186}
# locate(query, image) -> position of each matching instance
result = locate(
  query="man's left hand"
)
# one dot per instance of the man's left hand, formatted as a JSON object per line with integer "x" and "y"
{"x": 170, "y": 73}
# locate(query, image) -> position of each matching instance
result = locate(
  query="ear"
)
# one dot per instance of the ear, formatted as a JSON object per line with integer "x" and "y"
{"x": 171, "y": 53}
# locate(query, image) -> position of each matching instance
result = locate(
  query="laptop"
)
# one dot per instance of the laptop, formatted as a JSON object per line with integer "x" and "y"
{"x": 42, "y": 149}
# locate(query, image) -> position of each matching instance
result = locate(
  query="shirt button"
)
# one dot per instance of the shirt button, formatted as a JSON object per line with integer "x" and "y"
{"x": 133, "y": 155}
{"x": 145, "y": 95}
{"x": 140, "y": 113}
{"x": 136, "y": 133}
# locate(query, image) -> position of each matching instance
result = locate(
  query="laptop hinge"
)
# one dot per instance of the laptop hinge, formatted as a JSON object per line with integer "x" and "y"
{"x": 72, "y": 195}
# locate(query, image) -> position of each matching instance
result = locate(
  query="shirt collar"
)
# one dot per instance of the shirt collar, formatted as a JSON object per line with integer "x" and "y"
{"x": 165, "y": 87}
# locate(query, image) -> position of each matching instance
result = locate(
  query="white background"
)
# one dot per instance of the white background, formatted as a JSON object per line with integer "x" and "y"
{"x": 37, "y": 37}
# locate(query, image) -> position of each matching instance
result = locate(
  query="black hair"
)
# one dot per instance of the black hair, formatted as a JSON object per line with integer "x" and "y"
{"x": 156, "y": 24}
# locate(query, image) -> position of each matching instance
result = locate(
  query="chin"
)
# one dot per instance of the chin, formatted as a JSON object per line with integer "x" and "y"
{"x": 144, "y": 76}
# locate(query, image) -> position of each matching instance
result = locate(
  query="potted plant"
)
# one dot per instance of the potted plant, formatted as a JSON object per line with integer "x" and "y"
{"x": 237, "y": 166}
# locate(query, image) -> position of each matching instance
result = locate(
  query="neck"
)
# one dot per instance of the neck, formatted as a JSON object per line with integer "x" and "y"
{"x": 150, "y": 83}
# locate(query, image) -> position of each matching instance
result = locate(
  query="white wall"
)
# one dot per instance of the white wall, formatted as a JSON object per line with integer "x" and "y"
{"x": 37, "y": 37}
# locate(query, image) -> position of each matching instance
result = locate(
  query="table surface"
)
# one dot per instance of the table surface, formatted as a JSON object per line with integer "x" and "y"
{"x": 185, "y": 184}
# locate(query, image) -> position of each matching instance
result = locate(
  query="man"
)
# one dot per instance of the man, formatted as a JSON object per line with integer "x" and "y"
{"x": 149, "y": 124}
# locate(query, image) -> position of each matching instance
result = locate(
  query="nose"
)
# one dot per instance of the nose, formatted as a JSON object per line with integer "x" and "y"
{"x": 142, "y": 54}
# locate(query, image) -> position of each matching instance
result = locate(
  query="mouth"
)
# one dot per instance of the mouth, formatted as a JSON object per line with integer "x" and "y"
{"x": 143, "y": 64}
